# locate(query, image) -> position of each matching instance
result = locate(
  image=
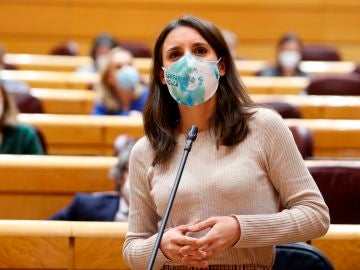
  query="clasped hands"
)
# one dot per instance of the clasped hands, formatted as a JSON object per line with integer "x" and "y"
{"x": 224, "y": 232}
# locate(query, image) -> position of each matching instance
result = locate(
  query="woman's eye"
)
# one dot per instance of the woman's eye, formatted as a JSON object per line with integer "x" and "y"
{"x": 200, "y": 51}
{"x": 173, "y": 55}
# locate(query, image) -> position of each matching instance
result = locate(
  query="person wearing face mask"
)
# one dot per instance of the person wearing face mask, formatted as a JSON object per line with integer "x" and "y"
{"x": 16, "y": 138}
{"x": 288, "y": 59}
{"x": 120, "y": 90}
{"x": 243, "y": 163}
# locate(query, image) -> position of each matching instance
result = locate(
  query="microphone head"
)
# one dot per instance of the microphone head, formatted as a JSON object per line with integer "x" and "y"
{"x": 192, "y": 133}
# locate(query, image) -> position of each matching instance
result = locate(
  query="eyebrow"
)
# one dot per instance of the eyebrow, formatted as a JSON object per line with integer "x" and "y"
{"x": 193, "y": 45}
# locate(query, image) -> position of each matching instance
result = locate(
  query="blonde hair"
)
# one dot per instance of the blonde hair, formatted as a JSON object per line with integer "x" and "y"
{"x": 104, "y": 92}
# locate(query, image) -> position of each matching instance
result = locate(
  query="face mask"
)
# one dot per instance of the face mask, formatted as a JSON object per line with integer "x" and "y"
{"x": 192, "y": 81}
{"x": 289, "y": 59}
{"x": 127, "y": 77}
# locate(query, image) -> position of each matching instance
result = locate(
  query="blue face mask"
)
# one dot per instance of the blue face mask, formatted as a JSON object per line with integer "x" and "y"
{"x": 127, "y": 77}
{"x": 192, "y": 81}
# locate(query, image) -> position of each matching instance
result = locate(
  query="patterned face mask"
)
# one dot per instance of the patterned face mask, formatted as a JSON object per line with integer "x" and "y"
{"x": 192, "y": 81}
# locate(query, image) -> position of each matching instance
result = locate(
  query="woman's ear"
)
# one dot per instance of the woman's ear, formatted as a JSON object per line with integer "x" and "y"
{"x": 221, "y": 67}
{"x": 162, "y": 76}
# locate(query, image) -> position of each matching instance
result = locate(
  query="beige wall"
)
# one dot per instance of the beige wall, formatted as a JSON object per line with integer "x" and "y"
{"x": 34, "y": 26}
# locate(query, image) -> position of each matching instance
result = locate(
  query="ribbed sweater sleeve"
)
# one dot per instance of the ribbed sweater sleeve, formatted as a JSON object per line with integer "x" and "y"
{"x": 306, "y": 214}
{"x": 143, "y": 219}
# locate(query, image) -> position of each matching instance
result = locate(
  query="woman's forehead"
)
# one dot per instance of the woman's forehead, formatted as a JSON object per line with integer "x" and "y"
{"x": 182, "y": 35}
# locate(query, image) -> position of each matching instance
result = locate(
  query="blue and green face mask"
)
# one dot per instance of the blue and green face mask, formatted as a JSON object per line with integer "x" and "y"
{"x": 192, "y": 81}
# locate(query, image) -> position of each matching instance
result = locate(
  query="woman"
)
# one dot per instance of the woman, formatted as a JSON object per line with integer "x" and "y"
{"x": 243, "y": 163}
{"x": 288, "y": 54}
{"x": 16, "y": 138}
{"x": 120, "y": 90}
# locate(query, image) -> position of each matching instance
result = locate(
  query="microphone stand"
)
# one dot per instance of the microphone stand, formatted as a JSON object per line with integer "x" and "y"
{"x": 191, "y": 137}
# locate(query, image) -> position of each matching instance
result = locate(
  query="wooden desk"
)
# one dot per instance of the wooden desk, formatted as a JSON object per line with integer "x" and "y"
{"x": 318, "y": 107}
{"x": 341, "y": 245}
{"x": 71, "y": 245}
{"x": 83, "y": 134}
{"x": 65, "y": 101}
{"x": 275, "y": 85}
{"x": 75, "y": 101}
{"x": 245, "y": 67}
{"x": 47, "y": 62}
{"x": 50, "y": 79}
{"x": 38, "y": 186}
{"x": 43, "y": 62}
{"x": 94, "y": 135}
{"x": 54, "y": 79}
{"x": 61, "y": 245}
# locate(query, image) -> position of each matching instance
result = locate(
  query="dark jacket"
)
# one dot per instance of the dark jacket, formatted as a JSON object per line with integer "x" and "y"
{"x": 90, "y": 207}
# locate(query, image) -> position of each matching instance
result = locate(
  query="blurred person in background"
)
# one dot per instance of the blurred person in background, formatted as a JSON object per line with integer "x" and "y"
{"x": 16, "y": 138}
{"x": 288, "y": 56}
{"x": 101, "y": 46}
{"x": 120, "y": 90}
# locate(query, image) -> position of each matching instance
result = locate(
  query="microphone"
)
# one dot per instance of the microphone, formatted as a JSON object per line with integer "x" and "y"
{"x": 191, "y": 137}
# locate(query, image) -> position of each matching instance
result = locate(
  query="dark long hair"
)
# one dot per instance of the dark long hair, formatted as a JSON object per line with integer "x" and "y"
{"x": 161, "y": 112}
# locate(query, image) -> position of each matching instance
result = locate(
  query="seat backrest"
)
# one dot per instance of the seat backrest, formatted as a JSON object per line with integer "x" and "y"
{"x": 285, "y": 109}
{"x": 27, "y": 103}
{"x": 300, "y": 256}
{"x": 357, "y": 70}
{"x": 304, "y": 140}
{"x": 340, "y": 187}
{"x": 70, "y": 48}
{"x": 320, "y": 52}
{"x": 138, "y": 49}
{"x": 334, "y": 85}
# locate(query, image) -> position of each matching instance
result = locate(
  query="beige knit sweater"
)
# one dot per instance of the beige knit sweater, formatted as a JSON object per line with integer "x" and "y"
{"x": 248, "y": 180}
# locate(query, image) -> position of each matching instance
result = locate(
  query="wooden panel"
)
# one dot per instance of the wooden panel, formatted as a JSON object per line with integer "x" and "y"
{"x": 341, "y": 245}
{"x": 29, "y": 206}
{"x": 106, "y": 253}
{"x": 34, "y": 26}
{"x": 332, "y": 137}
{"x": 38, "y": 186}
{"x": 55, "y": 174}
{"x": 33, "y": 252}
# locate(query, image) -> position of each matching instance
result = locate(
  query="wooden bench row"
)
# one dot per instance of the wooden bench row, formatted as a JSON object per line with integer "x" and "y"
{"x": 318, "y": 107}
{"x": 38, "y": 186}
{"x": 95, "y": 135}
{"x": 245, "y": 67}
{"x": 98, "y": 245}
{"x": 69, "y": 80}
